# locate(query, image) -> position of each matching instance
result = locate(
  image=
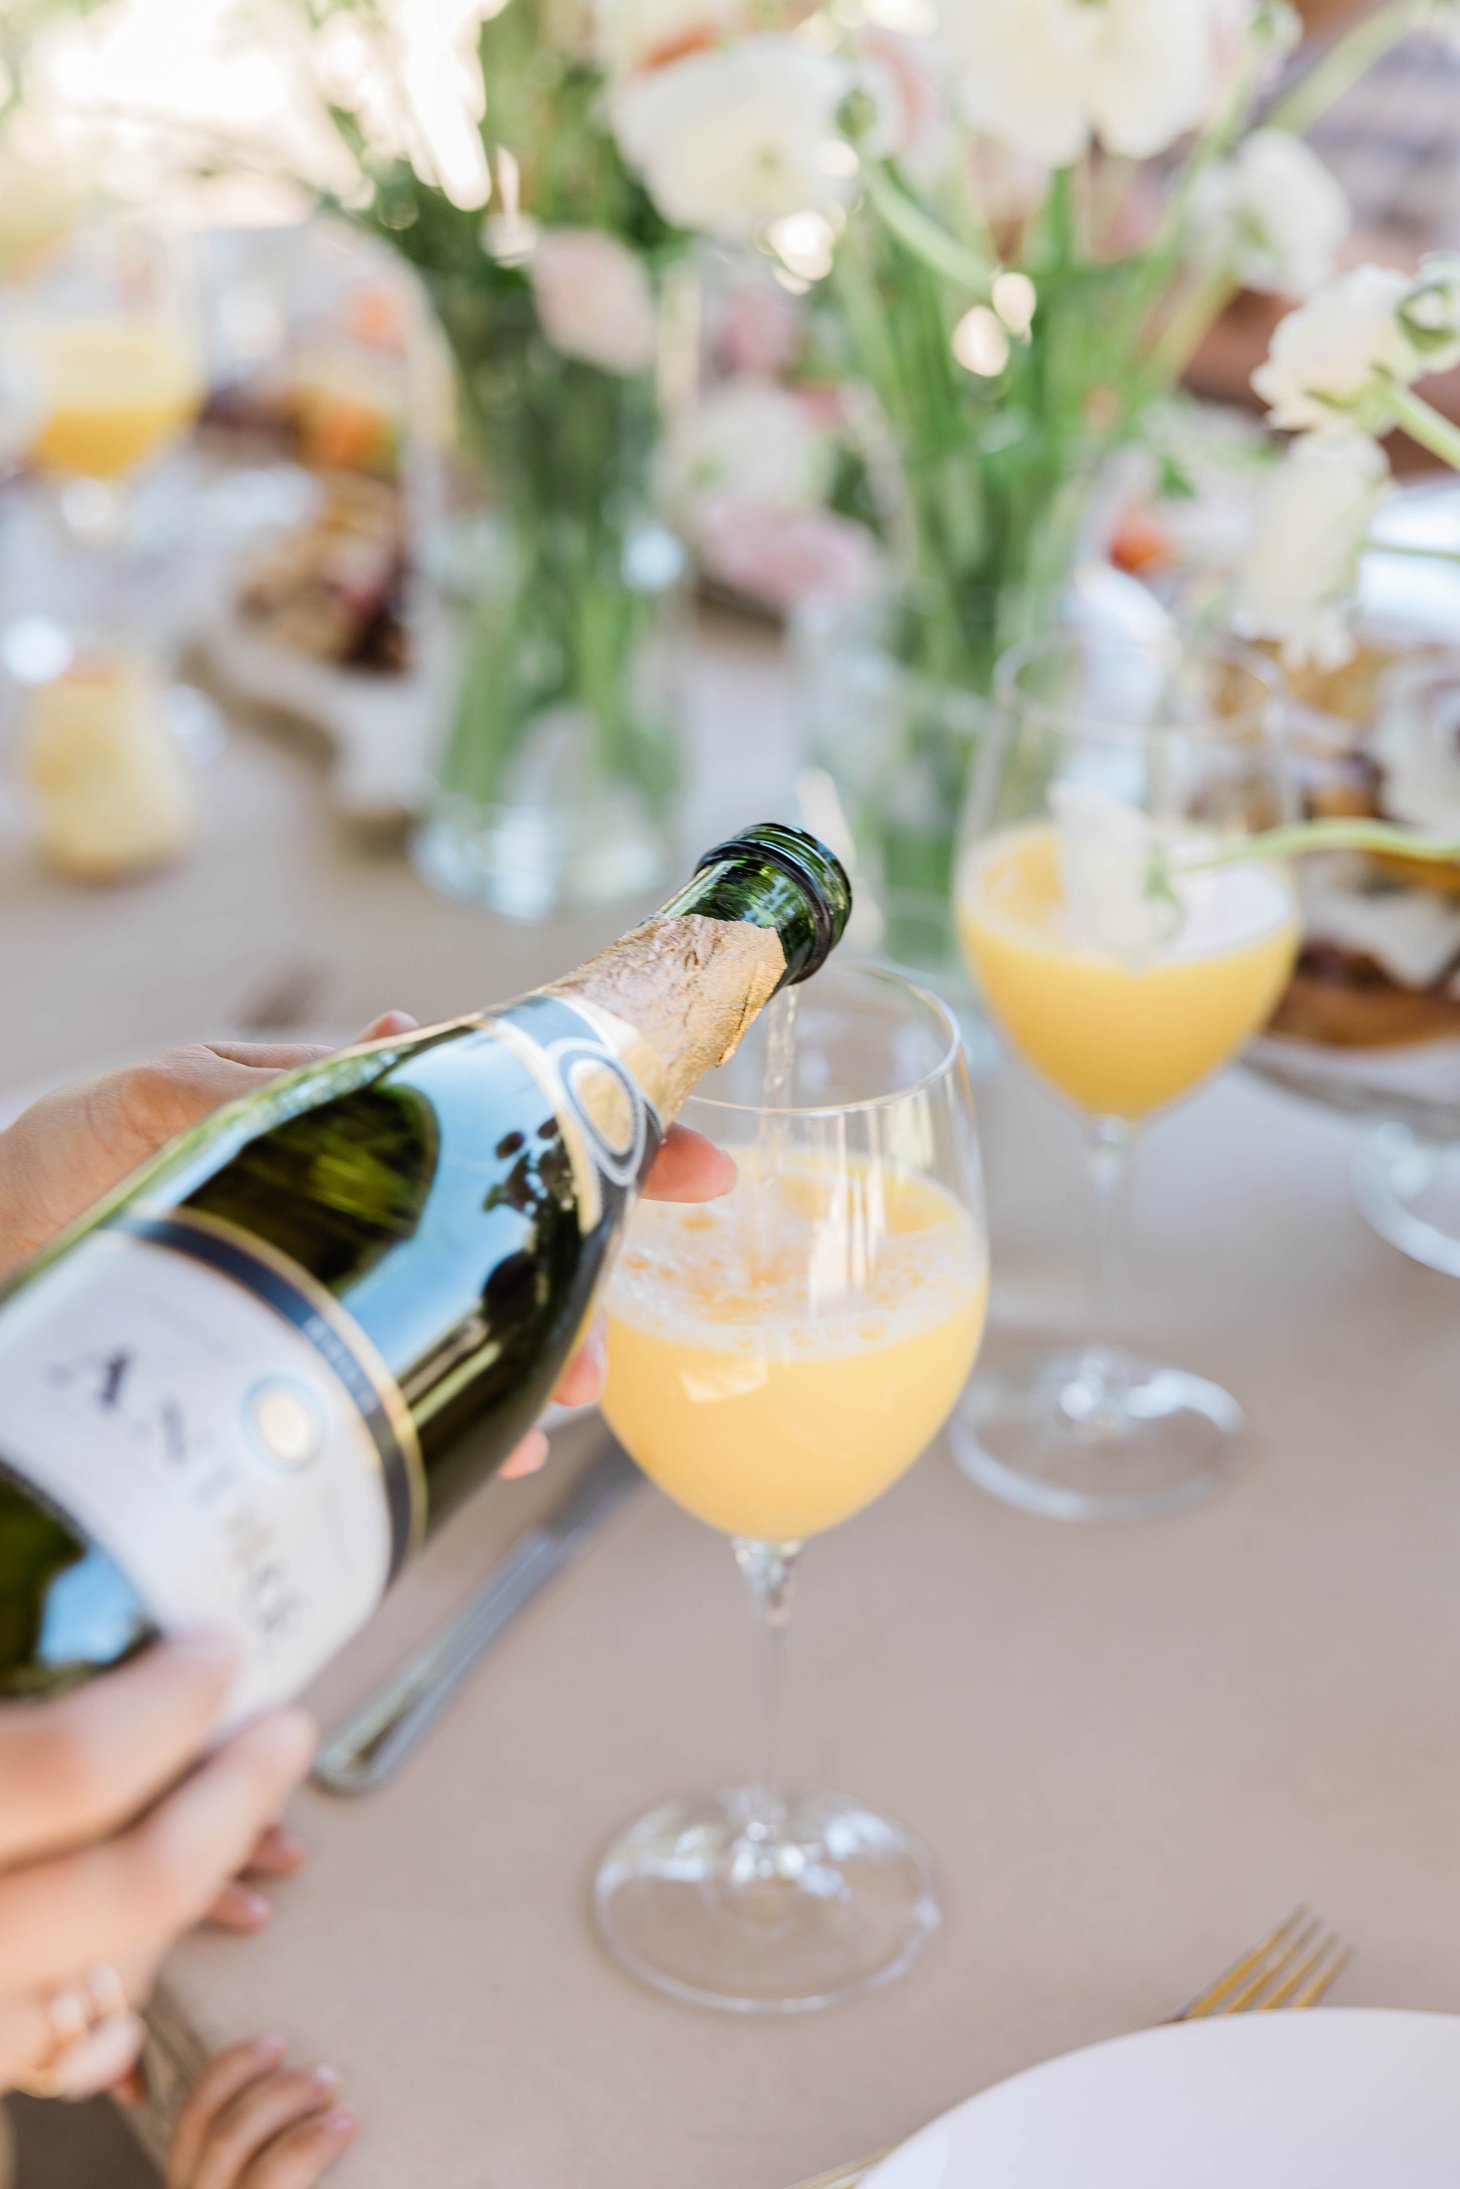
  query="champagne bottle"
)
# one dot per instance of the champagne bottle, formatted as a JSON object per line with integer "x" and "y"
{"x": 241, "y": 1389}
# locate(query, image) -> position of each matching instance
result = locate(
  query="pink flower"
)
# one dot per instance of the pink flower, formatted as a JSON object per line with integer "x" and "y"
{"x": 912, "y": 128}
{"x": 594, "y": 299}
{"x": 785, "y": 558}
{"x": 759, "y": 329}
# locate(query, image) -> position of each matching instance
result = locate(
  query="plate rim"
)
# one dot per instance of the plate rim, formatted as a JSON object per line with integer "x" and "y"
{"x": 1125, "y": 2040}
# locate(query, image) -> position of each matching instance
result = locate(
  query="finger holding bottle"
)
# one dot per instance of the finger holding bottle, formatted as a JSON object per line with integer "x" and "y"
{"x": 114, "y": 1841}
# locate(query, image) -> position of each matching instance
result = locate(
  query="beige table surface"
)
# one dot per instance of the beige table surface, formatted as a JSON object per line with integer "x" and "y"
{"x": 1130, "y": 1749}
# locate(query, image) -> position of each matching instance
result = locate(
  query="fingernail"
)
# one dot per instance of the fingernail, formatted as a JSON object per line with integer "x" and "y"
{"x": 251, "y": 1907}
{"x": 341, "y": 2124}
{"x": 288, "y": 1846}
{"x": 325, "y": 2079}
{"x": 268, "y": 2047}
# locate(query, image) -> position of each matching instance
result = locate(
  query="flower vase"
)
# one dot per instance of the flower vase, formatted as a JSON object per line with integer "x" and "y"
{"x": 558, "y": 618}
{"x": 560, "y": 662}
{"x": 895, "y": 697}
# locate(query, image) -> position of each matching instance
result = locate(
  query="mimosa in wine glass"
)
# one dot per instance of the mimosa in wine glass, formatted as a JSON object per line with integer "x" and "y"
{"x": 776, "y": 1360}
{"x": 1125, "y": 955}
{"x": 98, "y": 327}
{"x": 104, "y": 324}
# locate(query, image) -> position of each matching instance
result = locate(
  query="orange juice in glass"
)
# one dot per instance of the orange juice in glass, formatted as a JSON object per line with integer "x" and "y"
{"x": 1125, "y": 954}
{"x": 776, "y": 1360}
{"x": 1122, "y": 1035}
{"x": 115, "y": 388}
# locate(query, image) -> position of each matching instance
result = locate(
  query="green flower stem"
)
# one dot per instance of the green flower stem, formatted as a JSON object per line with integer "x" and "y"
{"x": 1348, "y": 60}
{"x": 1411, "y": 547}
{"x": 1305, "y": 836}
{"x": 1182, "y": 335}
{"x": 1423, "y": 423}
{"x": 926, "y": 237}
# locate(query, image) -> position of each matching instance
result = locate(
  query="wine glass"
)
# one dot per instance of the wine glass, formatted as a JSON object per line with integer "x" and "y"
{"x": 101, "y": 327}
{"x": 1126, "y": 955}
{"x": 775, "y": 1361}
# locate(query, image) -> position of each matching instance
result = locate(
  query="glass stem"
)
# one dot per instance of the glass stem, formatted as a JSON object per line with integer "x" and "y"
{"x": 1109, "y": 1142}
{"x": 770, "y": 1573}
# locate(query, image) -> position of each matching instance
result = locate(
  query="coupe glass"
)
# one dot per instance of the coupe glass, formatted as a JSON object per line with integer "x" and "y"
{"x": 1110, "y": 757}
{"x": 775, "y": 1361}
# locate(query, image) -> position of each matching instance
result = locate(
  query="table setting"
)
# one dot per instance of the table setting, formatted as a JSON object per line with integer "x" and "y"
{"x": 458, "y": 476}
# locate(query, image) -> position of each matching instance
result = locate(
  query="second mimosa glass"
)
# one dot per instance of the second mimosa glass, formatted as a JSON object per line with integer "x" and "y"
{"x": 776, "y": 1360}
{"x": 1115, "y": 765}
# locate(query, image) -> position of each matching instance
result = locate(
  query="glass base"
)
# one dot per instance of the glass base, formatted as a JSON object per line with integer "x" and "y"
{"x": 528, "y": 862}
{"x": 1408, "y": 1189}
{"x": 693, "y": 1901}
{"x": 1095, "y": 1435}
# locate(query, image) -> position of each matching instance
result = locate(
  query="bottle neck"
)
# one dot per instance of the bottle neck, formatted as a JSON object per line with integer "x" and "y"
{"x": 775, "y": 878}
{"x": 761, "y": 911}
{"x": 674, "y": 997}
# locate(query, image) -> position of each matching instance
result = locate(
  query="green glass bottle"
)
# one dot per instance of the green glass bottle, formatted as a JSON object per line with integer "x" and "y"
{"x": 243, "y": 1387}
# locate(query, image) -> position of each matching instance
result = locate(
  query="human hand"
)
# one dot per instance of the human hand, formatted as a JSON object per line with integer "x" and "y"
{"x": 78, "y": 1142}
{"x": 108, "y": 1854}
{"x": 67, "y": 1150}
{"x": 251, "y": 2123}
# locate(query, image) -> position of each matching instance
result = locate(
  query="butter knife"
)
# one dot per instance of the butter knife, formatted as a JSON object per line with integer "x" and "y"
{"x": 372, "y": 1744}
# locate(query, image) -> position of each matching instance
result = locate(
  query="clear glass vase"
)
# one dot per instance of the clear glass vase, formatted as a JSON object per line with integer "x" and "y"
{"x": 895, "y": 693}
{"x": 560, "y": 654}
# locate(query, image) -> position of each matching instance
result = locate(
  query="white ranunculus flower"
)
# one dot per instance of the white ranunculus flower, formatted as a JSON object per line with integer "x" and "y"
{"x": 731, "y": 140}
{"x": 1430, "y": 313}
{"x": 630, "y": 34}
{"x": 1301, "y": 572}
{"x": 1330, "y": 360}
{"x": 1273, "y": 215}
{"x": 750, "y": 438}
{"x": 594, "y": 299}
{"x": 1045, "y": 76}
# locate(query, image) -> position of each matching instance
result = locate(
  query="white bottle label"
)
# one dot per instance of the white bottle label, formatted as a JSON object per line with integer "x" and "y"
{"x": 199, "y": 1438}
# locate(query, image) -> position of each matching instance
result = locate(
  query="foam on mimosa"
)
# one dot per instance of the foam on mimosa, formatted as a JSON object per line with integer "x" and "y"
{"x": 778, "y": 1358}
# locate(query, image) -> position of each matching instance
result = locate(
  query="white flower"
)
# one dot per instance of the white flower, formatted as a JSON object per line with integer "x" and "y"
{"x": 1430, "y": 313}
{"x": 441, "y": 84}
{"x": 630, "y": 34}
{"x": 731, "y": 140}
{"x": 1045, "y": 76}
{"x": 1301, "y": 572}
{"x": 1273, "y": 215}
{"x": 748, "y": 438}
{"x": 1106, "y": 852}
{"x": 593, "y": 299}
{"x": 904, "y": 78}
{"x": 1417, "y": 743}
{"x": 1332, "y": 360}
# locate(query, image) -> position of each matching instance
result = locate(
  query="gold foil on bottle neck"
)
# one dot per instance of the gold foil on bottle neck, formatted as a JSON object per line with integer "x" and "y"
{"x": 683, "y": 990}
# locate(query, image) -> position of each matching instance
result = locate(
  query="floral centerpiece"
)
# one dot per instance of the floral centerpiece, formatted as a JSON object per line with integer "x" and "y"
{"x": 1012, "y": 222}
{"x": 1018, "y": 223}
{"x": 550, "y": 272}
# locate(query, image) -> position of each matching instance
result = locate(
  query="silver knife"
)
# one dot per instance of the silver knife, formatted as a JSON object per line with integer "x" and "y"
{"x": 371, "y": 1746}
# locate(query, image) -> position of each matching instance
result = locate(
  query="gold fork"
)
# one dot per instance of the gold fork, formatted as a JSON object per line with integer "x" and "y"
{"x": 1293, "y": 1967}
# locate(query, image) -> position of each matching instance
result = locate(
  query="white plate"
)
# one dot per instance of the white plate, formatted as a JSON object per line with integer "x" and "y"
{"x": 1328, "y": 2100}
